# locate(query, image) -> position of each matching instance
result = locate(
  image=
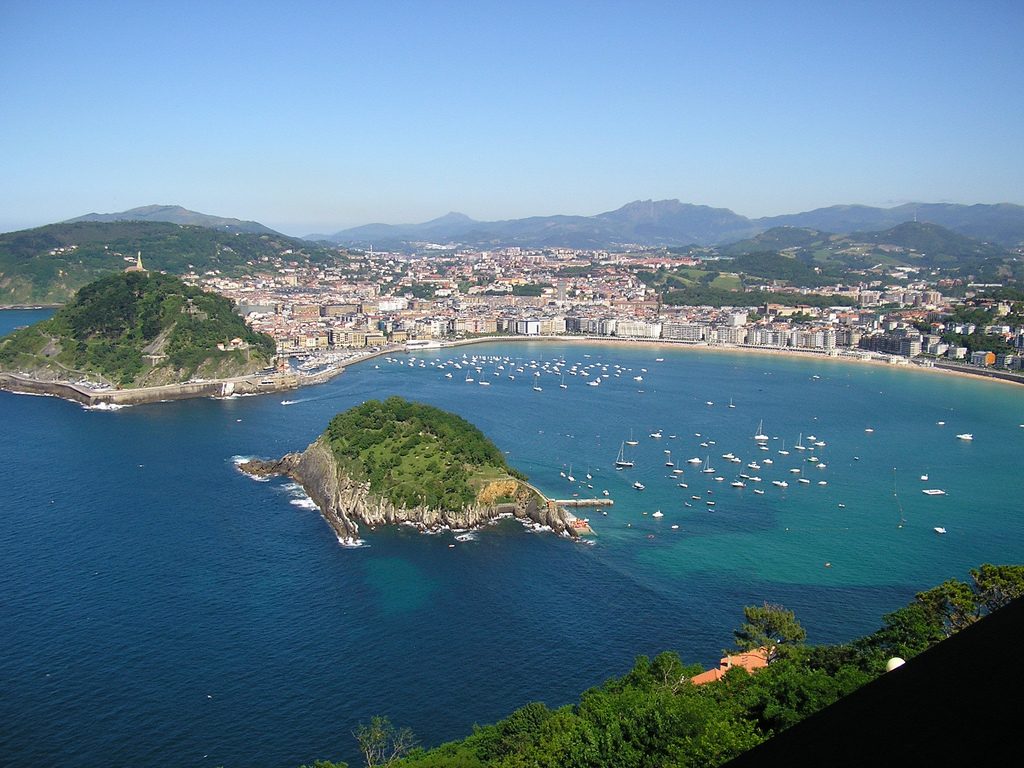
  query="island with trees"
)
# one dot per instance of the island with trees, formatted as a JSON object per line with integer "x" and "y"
{"x": 395, "y": 462}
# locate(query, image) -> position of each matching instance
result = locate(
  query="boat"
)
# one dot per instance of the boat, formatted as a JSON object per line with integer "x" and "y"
{"x": 563, "y": 385}
{"x": 780, "y": 483}
{"x": 484, "y": 383}
{"x": 638, "y": 485}
{"x": 631, "y": 441}
{"x": 658, "y": 514}
{"x": 668, "y": 462}
{"x": 708, "y": 469}
{"x": 464, "y": 537}
{"x": 682, "y": 485}
{"x": 965, "y": 436}
{"x": 710, "y": 503}
{"x": 800, "y": 443}
{"x": 605, "y": 492}
{"x": 730, "y": 403}
{"x": 738, "y": 484}
{"x": 656, "y": 434}
{"x": 709, "y": 402}
{"x": 924, "y": 478}
{"x": 448, "y": 375}
{"x": 939, "y": 529}
{"x": 760, "y": 436}
{"x": 933, "y": 492}
{"x": 537, "y": 389}
{"x": 675, "y": 527}
{"x": 804, "y": 480}
{"x": 759, "y": 492}
{"x": 622, "y": 461}
{"x": 694, "y": 460}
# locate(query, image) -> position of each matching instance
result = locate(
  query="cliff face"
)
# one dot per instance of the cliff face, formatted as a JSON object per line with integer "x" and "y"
{"x": 345, "y": 503}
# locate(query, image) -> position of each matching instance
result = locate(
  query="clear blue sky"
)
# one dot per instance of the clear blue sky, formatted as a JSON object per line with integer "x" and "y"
{"x": 313, "y": 116}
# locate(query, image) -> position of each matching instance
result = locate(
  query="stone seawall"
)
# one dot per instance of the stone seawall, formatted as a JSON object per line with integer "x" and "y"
{"x": 85, "y": 396}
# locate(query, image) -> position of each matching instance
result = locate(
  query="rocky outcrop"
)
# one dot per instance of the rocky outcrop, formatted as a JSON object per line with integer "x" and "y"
{"x": 345, "y": 503}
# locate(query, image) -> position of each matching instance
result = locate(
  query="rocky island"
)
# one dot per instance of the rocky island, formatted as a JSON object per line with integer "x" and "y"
{"x": 395, "y": 462}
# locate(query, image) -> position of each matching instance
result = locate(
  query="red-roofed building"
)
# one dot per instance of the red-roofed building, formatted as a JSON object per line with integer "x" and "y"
{"x": 751, "y": 661}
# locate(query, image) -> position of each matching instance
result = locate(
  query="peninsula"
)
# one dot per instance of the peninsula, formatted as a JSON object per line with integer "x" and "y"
{"x": 400, "y": 462}
{"x": 140, "y": 332}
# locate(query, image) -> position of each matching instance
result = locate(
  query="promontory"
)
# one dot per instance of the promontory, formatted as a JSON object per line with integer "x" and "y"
{"x": 394, "y": 462}
{"x": 134, "y": 330}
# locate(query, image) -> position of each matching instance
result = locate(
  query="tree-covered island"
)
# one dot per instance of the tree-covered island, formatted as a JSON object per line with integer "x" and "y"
{"x": 392, "y": 462}
{"x": 136, "y": 329}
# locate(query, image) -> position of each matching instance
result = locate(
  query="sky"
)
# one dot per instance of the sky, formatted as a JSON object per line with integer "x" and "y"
{"x": 315, "y": 116}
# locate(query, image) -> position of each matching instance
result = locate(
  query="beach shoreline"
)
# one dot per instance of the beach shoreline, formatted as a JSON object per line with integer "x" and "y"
{"x": 271, "y": 383}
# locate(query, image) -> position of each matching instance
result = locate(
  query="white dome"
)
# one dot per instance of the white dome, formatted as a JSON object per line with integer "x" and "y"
{"x": 893, "y": 663}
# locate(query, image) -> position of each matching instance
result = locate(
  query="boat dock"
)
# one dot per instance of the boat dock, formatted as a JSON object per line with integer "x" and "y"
{"x": 584, "y": 502}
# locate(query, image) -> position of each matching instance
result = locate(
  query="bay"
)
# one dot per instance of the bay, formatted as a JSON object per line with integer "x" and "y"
{"x": 158, "y": 607}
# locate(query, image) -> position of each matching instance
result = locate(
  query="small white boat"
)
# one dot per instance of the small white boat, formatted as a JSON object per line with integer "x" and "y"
{"x": 638, "y": 485}
{"x": 939, "y": 529}
{"x": 760, "y": 435}
{"x": 738, "y": 484}
{"x": 759, "y": 492}
{"x": 965, "y": 436}
{"x": 804, "y": 480}
{"x": 656, "y": 435}
{"x": 869, "y": 430}
{"x": 780, "y": 483}
{"x": 675, "y": 527}
{"x": 658, "y": 514}
{"x": 924, "y": 478}
{"x": 694, "y": 460}
{"x": 933, "y": 492}
{"x": 537, "y": 389}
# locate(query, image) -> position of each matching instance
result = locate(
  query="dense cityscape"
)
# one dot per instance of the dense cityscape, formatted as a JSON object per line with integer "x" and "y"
{"x": 375, "y": 299}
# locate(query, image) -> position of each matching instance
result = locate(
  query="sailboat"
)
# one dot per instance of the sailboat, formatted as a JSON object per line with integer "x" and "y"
{"x": 800, "y": 443}
{"x": 730, "y": 403}
{"x": 631, "y": 441}
{"x": 668, "y": 461}
{"x": 622, "y": 461}
{"x": 563, "y": 385}
{"x": 760, "y": 436}
{"x": 708, "y": 469}
{"x": 783, "y": 451}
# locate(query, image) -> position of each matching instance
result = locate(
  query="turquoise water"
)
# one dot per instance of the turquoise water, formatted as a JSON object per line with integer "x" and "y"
{"x": 158, "y": 607}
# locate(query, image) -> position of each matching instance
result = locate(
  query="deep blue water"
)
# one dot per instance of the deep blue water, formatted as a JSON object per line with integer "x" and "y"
{"x": 157, "y": 607}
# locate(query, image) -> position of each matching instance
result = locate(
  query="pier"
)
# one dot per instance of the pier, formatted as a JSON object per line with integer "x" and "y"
{"x": 584, "y": 502}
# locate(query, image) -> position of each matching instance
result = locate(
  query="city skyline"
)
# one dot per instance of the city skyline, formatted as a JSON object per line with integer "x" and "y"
{"x": 323, "y": 118}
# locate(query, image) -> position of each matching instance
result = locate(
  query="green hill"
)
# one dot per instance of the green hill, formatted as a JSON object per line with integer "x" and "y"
{"x": 48, "y": 264}
{"x": 137, "y": 329}
{"x": 414, "y": 454}
{"x": 936, "y": 245}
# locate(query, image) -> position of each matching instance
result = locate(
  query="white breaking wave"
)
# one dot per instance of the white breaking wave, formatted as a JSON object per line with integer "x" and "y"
{"x": 105, "y": 407}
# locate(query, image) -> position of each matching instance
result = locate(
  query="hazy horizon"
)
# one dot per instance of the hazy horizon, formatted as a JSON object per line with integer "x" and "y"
{"x": 317, "y": 117}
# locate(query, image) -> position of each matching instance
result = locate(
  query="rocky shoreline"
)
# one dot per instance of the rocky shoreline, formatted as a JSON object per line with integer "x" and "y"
{"x": 346, "y": 504}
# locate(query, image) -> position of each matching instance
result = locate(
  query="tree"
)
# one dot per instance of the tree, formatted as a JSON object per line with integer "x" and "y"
{"x": 996, "y": 585}
{"x": 380, "y": 743}
{"x": 771, "y": 627}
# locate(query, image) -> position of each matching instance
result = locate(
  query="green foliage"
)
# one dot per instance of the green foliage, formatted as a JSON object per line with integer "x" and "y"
{"x": 771, "y": 627}
{"x": 655, "y": 716}
{"x": 529, "y": 290}
{"x": 111, "y": 321}
{"x": 415, "y": 454}
{"x": 49, "y": 263}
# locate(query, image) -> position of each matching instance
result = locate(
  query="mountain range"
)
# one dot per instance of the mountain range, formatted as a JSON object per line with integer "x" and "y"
{"x": 641, "y": 222}
{"x": 670, "y": 222}
{"x": 175, "y": 214}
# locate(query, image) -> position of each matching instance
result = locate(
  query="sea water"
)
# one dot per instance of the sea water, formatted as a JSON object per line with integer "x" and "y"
{"x": 158, "y": 607}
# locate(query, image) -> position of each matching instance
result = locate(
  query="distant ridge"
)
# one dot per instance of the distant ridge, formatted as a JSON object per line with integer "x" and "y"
{"x": 175, "y": 214}
{"x": 673, "y": 223}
